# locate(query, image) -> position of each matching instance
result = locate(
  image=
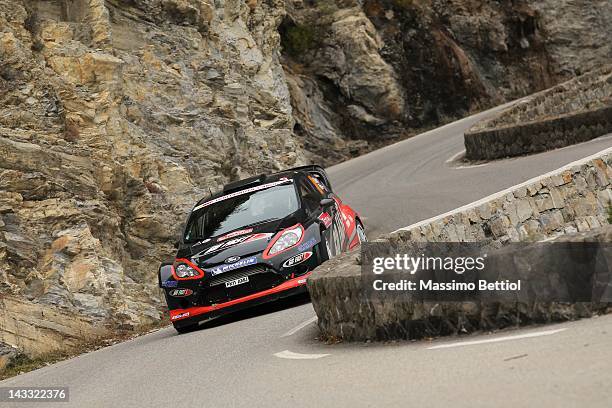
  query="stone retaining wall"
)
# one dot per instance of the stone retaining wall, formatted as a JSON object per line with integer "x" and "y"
{"x": 570, "y": 200}
{"x": 569, "y": 113}
{"x": 574, "y": 198}
{"x": 345, "y": 311}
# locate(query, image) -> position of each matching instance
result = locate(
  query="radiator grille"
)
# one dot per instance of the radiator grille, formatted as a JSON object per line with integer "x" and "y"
{"x": 260, "y": 278}
{"x": 237, "y": 274}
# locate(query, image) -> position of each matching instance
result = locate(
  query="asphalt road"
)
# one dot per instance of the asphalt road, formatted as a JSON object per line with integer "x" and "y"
{"x": 270, "y": 357}
{"x": 412, "y": 180}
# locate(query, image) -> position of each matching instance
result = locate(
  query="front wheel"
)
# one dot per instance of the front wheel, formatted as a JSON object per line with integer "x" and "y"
{"x": 184, "y": 329}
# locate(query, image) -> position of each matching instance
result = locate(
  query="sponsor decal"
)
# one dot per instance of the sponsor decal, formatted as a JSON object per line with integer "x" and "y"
{"x": 308, "y": 244}
{"x": 326, "y": 219}
{"x": 230, "y": 267}
{"x": 299, "y": 258}
{"x": 222, "y": 246}
{"x": 201, "y": 242}
{"x": 346, "y": 219}
{"x": 180, "y": 316}
{"x": 282, "y": 180}
{"x": 170, "y": 284}
{"x": 232, "y": 242}
{"x": 232, "y": 259}
{"x": 255, "y": 237}
{"x": 180, "y": 292}
{"x": 237, "y": 282}
{"x": 235, "y": 234}
{"x": 301, "y": 281}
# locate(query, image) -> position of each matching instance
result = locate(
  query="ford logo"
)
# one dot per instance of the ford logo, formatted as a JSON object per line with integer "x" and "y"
{"x": 232, "y": 259}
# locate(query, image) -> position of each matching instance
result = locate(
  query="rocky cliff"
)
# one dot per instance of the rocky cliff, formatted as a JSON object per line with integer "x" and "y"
{"x": 116, "y": 115}
{"x": 114, "y": 118}
{"x": 378, "y": 68}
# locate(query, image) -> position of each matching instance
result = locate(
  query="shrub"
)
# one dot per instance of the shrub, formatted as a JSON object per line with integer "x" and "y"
{"x": 298, "y": 39}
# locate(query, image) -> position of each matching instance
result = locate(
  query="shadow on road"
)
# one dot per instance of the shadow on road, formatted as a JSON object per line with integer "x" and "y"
{"x": 256, "y": 311}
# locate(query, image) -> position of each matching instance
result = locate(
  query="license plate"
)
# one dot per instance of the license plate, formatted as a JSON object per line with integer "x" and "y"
{"x": 236, "y": 282}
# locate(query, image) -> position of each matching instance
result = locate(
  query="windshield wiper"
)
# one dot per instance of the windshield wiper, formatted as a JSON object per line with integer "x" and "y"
{"x": 260, "y": 222}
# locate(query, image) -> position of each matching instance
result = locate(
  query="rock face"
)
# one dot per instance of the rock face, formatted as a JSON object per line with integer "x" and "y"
{"x": 380, "y": 67}
{"x": 114, "y": 118}
{"x": 116, "y": 115}
{"x": 7, "y": 353}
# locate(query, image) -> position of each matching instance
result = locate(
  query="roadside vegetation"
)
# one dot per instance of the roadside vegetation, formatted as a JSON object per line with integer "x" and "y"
{"x": 22, "y": 363}
{"x": 299, "y": 39}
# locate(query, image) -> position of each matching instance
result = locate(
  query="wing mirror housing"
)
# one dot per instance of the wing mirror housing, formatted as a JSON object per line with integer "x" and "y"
{"x": 327, "y": 202}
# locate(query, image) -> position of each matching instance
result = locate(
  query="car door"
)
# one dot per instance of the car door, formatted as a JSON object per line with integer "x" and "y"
{"x": 328, "y": 216}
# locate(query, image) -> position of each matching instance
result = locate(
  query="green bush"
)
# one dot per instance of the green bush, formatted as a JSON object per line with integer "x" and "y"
{"x": 298, "y": 39}
{"x": 327, "y": 7}
{"x": 408, "y": 5}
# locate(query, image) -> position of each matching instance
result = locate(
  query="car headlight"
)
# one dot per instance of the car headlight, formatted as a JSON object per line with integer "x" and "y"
{"x": 186, "y": 270}
{"x": 287, "y": 238}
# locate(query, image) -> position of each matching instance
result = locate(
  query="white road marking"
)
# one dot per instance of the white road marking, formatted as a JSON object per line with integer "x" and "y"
{"x": 300, "y": 326}
{"x": 497, "y": 339}
{"x": 471, "y": 166}
{"x": 290, "y": 355}
{"x": 455, "y": 156}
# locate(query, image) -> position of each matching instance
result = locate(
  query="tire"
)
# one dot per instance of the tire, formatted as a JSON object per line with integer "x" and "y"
{"x": 184, "y": 329}
{"x": 361, "y": 233}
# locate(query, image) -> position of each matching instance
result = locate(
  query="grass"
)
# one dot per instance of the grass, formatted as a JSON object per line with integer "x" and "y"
{"x": 22, "y": 363}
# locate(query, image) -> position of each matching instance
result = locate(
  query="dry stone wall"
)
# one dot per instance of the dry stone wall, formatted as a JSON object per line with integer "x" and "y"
{"x": 346, "y": 311}
{"x": 569, "y": 113}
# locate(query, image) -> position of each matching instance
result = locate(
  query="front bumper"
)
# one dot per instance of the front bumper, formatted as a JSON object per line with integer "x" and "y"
{"x": 193, "y": 315}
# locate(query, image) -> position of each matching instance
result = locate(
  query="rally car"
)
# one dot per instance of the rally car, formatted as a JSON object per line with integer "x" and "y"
{"x": 256, "y": 241}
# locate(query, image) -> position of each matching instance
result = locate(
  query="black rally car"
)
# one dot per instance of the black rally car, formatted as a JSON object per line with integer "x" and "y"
{"x": 254, "y": 242}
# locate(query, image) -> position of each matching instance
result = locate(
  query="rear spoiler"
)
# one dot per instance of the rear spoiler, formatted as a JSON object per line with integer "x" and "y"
{"x": 240, "y": 184}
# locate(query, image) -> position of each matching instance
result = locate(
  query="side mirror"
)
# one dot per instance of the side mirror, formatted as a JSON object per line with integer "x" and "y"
{"x": 327, "y": 202}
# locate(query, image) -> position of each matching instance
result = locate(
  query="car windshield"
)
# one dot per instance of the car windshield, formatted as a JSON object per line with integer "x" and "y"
{"x": 240, "y": 211}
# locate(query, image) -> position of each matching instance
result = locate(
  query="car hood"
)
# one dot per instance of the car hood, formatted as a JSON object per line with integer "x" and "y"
{"x": 241, "y": 242}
